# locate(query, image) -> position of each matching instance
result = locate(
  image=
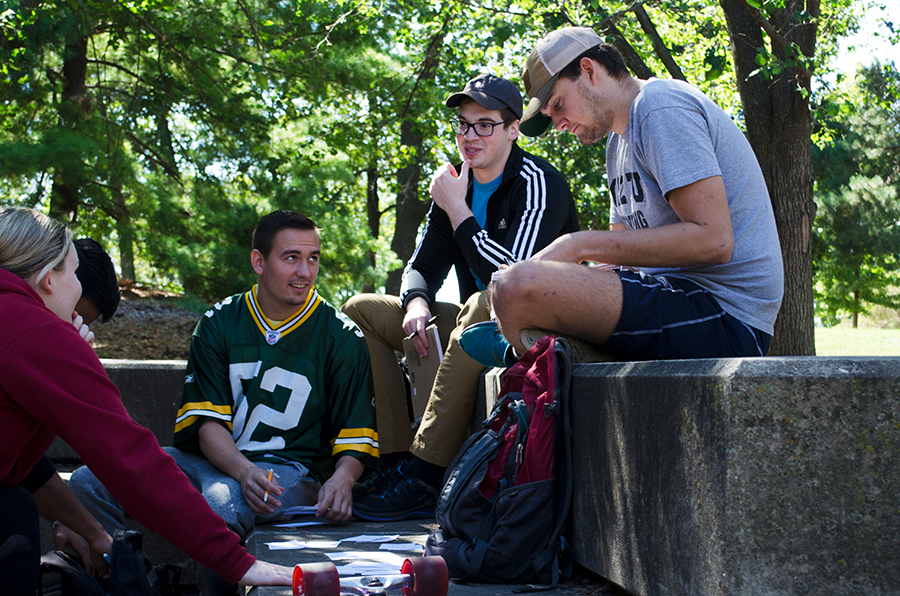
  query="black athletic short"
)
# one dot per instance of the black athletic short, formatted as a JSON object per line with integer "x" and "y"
{"x": 665, "y": 318}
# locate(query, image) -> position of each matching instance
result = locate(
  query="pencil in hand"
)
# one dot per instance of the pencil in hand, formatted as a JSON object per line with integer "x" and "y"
{"x": 266, "y": 496}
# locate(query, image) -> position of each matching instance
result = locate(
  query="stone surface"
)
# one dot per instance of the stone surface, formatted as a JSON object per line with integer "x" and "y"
{"x": 708, "y": 477}
{"x": 744, "y": 476}
{"x": 408, "y": 531}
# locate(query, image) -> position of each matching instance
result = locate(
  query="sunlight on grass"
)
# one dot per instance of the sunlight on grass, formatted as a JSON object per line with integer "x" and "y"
{"x": 844, "y": 341}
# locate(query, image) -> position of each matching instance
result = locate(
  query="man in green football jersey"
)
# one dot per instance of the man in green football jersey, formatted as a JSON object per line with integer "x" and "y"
{"x": 277, "y": 380}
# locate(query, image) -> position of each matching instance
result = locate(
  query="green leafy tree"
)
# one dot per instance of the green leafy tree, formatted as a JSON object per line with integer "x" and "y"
{"x": 167, "y": 127}
{"x": 857, "y": 158}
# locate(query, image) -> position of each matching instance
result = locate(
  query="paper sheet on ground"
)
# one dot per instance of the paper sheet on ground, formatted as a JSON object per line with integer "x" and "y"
{"x": 299, "y": 524}
{"x": 368, "y": 555}
{"x": 372, "y": 538}
{"x": 402, "y": 546}
{"x": 368, "y": 568}
{"x": 301, "y": 544}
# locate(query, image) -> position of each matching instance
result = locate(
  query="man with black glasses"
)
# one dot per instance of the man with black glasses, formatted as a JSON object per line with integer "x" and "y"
{"x": 499, "y": 206}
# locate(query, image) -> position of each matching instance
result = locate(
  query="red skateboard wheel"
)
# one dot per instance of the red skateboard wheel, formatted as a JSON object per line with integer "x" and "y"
{"x": 429, "y": 574}
{"x": 316, "y": 579}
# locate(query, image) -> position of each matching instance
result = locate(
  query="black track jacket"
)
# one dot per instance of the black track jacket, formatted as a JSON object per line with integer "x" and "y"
{"x": 531, "y": 208}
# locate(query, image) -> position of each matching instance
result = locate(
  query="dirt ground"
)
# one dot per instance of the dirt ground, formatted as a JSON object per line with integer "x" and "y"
{"x": 147, "y": 326}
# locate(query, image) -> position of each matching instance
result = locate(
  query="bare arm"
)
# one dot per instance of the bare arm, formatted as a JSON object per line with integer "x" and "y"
{"x": 267, "y": 574}
{"x": 219, "y": 448}
{"x": 56, "y": 502}
{"x": 702, "y": 237}
{"x": 335, "y": 496}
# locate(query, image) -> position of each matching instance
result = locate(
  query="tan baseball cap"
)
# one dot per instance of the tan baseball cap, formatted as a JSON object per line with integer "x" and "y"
{"x": 551, "y": 54}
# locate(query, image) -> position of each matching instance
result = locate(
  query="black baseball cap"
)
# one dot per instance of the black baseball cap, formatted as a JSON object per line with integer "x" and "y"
{"x": 491, "y": 93}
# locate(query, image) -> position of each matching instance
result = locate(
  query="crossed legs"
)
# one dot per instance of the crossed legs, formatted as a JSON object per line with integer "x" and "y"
{"x": 564, "y": 297}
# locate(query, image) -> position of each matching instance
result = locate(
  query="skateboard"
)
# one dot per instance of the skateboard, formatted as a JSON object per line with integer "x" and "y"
{"x": 419, "y": 576}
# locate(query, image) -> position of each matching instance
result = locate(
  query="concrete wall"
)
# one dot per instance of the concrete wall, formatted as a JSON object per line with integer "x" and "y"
{"x": 746, "y": 476}
{"x": 708, "y": 477}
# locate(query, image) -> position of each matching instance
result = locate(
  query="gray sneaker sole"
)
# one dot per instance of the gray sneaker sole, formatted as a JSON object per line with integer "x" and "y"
{"x": 580, "y": 351}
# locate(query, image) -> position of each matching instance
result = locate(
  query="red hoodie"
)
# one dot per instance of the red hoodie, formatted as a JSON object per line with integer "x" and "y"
{"x": 52, "y": 383}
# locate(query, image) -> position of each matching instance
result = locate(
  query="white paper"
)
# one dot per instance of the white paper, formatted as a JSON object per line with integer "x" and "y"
{"x": 403, "y": 546}
{"x": 300, "y": 544}
{"x": 372, "y": 538}
{"x": 368, "y": 568}
{"x": 300, "y": 524}
{"x": 370, "y": 556}
{"x": 286, "y": 545}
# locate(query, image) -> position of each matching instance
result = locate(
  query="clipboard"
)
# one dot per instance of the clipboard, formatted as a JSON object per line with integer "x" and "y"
{"x": 422, "y": 371}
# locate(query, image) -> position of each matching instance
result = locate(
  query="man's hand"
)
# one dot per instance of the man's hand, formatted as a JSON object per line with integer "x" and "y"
{"x": 335, "y": 496}
{"x": 448, "y": 189}
{"x": 417, "y": 316}
{"x": 267, "y": 574}
{"x": 254, "y": 484}
{"x": 83, "y": 330}
{"x": 91, "y": 555}
{"x": 219, "y": 448}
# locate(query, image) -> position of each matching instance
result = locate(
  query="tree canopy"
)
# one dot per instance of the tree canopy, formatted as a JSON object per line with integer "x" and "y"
{"x": 167, "y": 129}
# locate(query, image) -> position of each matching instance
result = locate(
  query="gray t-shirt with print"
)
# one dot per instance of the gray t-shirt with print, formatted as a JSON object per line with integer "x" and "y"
{"x": 677, "y": 136}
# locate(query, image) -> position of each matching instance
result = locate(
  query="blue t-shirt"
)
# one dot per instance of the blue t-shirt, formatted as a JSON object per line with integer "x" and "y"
{"x": 481, "y": 193}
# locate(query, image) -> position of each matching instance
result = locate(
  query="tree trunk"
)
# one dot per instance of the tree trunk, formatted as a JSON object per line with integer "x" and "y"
{"x": 410, "y": 209}
{"x": 607, "y": 27}
{"x": 856, "y": 309}
{"x": 373, "y": 219}
{"x": 125, "y": 232}
{"x": 73, "y": 108}
{"x": 778, "y": 128}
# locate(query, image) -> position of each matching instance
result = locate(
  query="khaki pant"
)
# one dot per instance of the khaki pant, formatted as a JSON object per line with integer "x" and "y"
{"x": 445, "y": 423}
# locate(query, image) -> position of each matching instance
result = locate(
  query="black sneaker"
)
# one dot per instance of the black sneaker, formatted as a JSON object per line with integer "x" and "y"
{"x": 407, "y": 497}
{"x": 373, "y": 482}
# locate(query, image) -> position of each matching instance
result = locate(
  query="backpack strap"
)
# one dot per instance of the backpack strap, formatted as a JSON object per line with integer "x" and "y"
{"x": 563, "y": 471}
{"x": 563, "y": 466}
{"x": 481, "y": 543}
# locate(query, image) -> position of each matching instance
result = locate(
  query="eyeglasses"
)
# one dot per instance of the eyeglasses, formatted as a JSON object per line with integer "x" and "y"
{"x": 482, "y": 129}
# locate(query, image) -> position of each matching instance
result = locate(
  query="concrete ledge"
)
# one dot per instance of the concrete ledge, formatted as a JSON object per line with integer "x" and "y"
{"x": 706, "y": 477}
{"x": 743, "y": 476}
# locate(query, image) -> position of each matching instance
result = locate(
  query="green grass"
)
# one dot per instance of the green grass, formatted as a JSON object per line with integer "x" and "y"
{"x": 845, "y": 341}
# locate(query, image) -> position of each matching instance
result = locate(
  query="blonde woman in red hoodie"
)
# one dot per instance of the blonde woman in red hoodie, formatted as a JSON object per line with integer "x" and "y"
{"x": 52, "y": 383}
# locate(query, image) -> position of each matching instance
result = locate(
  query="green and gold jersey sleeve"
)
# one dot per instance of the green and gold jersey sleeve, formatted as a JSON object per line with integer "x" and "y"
{"x": 351, "y": 393}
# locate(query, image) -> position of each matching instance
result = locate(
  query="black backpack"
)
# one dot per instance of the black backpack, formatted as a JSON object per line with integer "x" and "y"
{"x": 506, "y": 496}
{"x": 131, "y": 573}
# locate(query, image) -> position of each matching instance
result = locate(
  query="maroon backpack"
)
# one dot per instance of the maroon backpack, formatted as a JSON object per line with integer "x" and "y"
{"x": 503, "y": 508}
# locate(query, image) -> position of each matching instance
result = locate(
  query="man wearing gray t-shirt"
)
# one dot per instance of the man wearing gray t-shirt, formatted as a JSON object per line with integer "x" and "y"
{"x": 699, "y": 271}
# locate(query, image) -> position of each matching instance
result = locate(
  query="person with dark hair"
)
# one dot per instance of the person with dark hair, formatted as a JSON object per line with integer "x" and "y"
{"x": 498, "y": 206}
{"x": 692, "y": 228}
{"x": 53, "y": 384}
{"x": 277, "y": 409}
{"x": 99, "y": 285}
